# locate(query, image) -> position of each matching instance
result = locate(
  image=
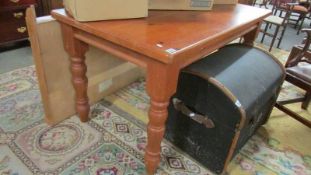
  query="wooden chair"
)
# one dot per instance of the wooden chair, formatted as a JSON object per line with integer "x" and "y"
{"x": 298, "y": 73}
{"x": 280, "y": 23}
{"x": 300, "y": 10}
{"x": 261, "y": 3}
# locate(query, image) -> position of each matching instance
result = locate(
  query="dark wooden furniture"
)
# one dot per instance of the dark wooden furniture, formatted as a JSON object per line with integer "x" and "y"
{"x": 163, "y": 43}
{"x": 12, "y": 20}
{"x": 299, "y": 75}
{"x": 49, "y": 5}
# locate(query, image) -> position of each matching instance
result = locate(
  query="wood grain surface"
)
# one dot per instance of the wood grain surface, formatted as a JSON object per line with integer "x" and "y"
{"x": 165, "y": 35}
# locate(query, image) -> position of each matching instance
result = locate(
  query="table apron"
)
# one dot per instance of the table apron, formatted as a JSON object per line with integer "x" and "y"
{"x": 113, "y": 49}
{"x": 202, "y": 50}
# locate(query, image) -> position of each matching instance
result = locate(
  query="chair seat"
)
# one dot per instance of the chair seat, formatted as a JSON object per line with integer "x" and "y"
{"x": 301, "y": 71}
{"x": 300, "y": 9}
{"x": 274, "y": 19}
{"x": 296, "y": 8}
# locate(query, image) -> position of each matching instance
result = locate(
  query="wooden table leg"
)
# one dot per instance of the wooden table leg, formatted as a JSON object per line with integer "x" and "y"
{"x": 251, "y": 36}
{"x": 76, "y": 50}
{"x": 161, "y": 85}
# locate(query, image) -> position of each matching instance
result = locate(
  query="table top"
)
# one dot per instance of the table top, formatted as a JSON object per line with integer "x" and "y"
{"x": 169, "y": 35}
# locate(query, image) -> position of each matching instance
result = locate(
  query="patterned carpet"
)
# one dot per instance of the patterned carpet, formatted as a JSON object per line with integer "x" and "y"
{"x": 113, "y": 142}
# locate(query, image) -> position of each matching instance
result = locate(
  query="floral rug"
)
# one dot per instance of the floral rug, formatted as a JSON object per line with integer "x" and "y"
{"x": 113, "y": 142}
{"x": 267, "y": 152}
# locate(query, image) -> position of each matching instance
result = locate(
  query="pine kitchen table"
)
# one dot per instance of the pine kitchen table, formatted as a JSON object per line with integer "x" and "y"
{"x": 163, "y": 43}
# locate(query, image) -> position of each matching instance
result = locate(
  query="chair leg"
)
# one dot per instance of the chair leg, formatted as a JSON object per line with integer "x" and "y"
{"x": 294, "y": 115}
{"x": 275, "y": 11}
{"x": 281, "y": 13}
{"x": 264, "y": 32}
{"x": 274, "y": 37}
{"x": 281, "y": 37}
{"x": 301, "y": 23}
{"x": 254, "y": 3}
{"x": 265, "y": 3}
{"x": 297, "y": 22}
{"x": 306, "y": 101}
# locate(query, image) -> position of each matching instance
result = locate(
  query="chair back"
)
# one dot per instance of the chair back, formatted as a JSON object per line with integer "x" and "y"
{"x": 279, "y": 5}
{"x": 304, "y": 54}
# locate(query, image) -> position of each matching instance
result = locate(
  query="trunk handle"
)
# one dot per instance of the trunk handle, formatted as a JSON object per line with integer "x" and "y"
{"x": 202, "y": 119}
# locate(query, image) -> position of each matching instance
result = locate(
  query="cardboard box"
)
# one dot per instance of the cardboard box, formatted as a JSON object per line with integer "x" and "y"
{"x": 181, "y": 4}
{"x": 225, "y": 1}
{"x": 96, "y": 10}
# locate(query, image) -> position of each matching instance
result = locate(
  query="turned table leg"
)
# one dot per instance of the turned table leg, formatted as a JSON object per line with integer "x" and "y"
{"x": 80, "y": 83}
{"x": 76, "y": 50}
{"x": 161, "y": 85}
